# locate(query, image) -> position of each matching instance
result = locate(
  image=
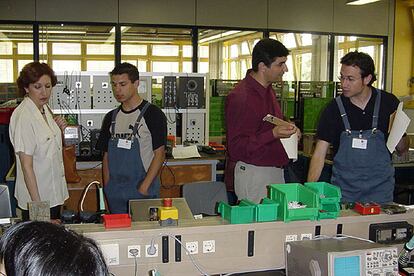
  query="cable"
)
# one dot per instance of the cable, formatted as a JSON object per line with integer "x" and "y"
{"x": 338, "y": 236}
{"x": 85, "y": 191}
{"x": 172, "y": 173}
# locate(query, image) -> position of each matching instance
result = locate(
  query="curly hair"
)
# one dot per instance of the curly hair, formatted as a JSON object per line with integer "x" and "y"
{"x": 31, "y": 73}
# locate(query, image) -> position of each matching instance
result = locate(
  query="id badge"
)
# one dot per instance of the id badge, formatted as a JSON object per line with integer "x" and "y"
{"x": 124, "y": 144}
{"x": 358, "y": 143}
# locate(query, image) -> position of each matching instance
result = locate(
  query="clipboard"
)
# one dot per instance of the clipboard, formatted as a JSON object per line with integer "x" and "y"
{"x": 275, "y": 120}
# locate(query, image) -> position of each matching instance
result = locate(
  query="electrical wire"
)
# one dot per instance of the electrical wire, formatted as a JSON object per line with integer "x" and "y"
{"x": 172, "y": 173}
{"x": 85, "y": 191}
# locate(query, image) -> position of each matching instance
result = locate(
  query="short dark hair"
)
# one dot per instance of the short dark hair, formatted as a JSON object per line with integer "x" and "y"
{"x": 363, "y": 61}
{"x": 35, "y": 248}
{"x": 266, "y": 51}
{"x": 126, "y": 68}
{"x": 31, "y": 73}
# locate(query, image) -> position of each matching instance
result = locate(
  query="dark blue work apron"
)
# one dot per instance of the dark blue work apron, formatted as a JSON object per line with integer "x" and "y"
{"x": 364, "y": 175}
{"x": 126, "y": 170}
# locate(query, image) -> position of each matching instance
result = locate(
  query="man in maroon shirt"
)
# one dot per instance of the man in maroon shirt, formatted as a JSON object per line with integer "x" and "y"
{"x": 255, "y": 154}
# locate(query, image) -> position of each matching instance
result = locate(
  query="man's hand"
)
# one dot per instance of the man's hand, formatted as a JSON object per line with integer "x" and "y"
{"x": 284, "y": 131}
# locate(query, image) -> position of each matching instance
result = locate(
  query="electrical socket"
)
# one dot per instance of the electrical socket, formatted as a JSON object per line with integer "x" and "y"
{"x": 306, "y": 236}
{"x": 290, "y": 238}
{"x": 192, "y": 247}
{"x": 149, "y": 255}
{"x": 209, "y": 246}
{"x": 134, "y": 251}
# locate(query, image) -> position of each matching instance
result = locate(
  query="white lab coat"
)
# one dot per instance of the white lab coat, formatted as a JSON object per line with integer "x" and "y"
{"x": 30, "y": 134}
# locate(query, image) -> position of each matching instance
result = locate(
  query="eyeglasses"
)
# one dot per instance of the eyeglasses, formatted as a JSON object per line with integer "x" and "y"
{"x": 350, "y": 79}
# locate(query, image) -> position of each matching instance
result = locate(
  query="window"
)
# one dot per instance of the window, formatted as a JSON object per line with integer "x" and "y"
{"x": 134, "y": 49}
{"x": 99, "y": 65}
{"x": 66, "y": 48}
{"x": 308, "y": 58}
{"x": 165, "y": 66}
{"x": 11, "y": 36}
{"x": 157, "y": 49}
{"x": 66, "y": 65}
{"x": 370, "y": 45}
{"x": 77, "y": 47}
{"x": 165, "y": 50}
{"x": 100, "y": 49}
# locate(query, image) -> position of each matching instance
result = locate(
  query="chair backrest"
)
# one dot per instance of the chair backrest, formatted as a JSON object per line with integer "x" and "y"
{"x": 5, "y": 207}
{"x": 202, "y": 197}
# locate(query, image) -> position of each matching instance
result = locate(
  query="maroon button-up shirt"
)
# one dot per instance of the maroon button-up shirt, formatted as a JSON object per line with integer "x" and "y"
{"x": 249, "y": 138}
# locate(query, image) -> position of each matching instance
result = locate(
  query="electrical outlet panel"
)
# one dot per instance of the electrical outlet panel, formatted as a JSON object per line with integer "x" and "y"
{"x": 134, "y": 251}
{"x": 290, "y": 238}
{"x": 169, "y": 92}
{"x": 209, "y": 246}
{"x": 191, "y": 92}
{"x": 171, "y": 121}
{"x": 193, "y": 127}
{"x": 103, "y": 97}
{"x": 72, "y": 91}
{"x": 147, "y": 254}
{"x": 111, "y": 253}
{"x": 145, "y": 88}
{"x": 91, "y": 121}
{"x": 306, "y": 236}
{"x": 192, "y": 247}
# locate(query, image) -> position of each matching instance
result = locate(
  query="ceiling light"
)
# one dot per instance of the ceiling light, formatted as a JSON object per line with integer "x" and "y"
{"x": 360, "y": 2}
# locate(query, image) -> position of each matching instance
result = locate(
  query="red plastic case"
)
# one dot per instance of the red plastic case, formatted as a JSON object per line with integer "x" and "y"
{"x": 116, "y": 220}
{"x": 367, "y": 208}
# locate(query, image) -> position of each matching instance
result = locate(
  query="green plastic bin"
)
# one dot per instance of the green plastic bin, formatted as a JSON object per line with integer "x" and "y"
{"x": 285, "y": 193}
{"x": 327, "y": 193}
{"x": 265, "y": 211}
{"x": 329, "y": 211}
{"x": 242, "y": 213}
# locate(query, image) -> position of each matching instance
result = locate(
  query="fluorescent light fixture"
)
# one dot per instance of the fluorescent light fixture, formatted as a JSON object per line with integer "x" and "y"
{"x": 360, "y": 2}
{"x": 217, "y": 36}
{"x": 122, "y": 29}
{"x": 43, "y": 31}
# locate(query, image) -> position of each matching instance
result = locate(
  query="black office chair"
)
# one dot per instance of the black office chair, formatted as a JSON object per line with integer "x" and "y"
{"x": 203, "y": 197}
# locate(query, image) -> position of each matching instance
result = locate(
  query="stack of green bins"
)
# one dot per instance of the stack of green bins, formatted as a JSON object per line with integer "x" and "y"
{"x": 294, "y": 192}
{"x": 329, "y": 197}
{"x": 313, "y": 107}
{"x": 248, "y": 211}
{"x": 216, "y": 121}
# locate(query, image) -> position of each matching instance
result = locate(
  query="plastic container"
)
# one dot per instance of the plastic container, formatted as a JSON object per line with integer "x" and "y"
{"x": 286, "y": 193}
{"x": 327, "y": 193}
{"x": 265, "y": 211}
{"x": 329, "y": 211}
{"x": 116, "y": 220}
{"x": 367, "y": 208}
{"x": 329, "y": 197}
{"x": 242, "y": 213}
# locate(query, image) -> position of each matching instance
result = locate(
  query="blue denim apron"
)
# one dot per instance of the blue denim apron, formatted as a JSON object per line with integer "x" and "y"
{"x": 364, "y": 175}
{"x": 126, "y": 170}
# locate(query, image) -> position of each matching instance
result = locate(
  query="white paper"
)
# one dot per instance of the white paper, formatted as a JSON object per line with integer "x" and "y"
{"x": 399, "y": 127}
{"x": 291, "y": 146}
{"x": 185, "y": 152}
